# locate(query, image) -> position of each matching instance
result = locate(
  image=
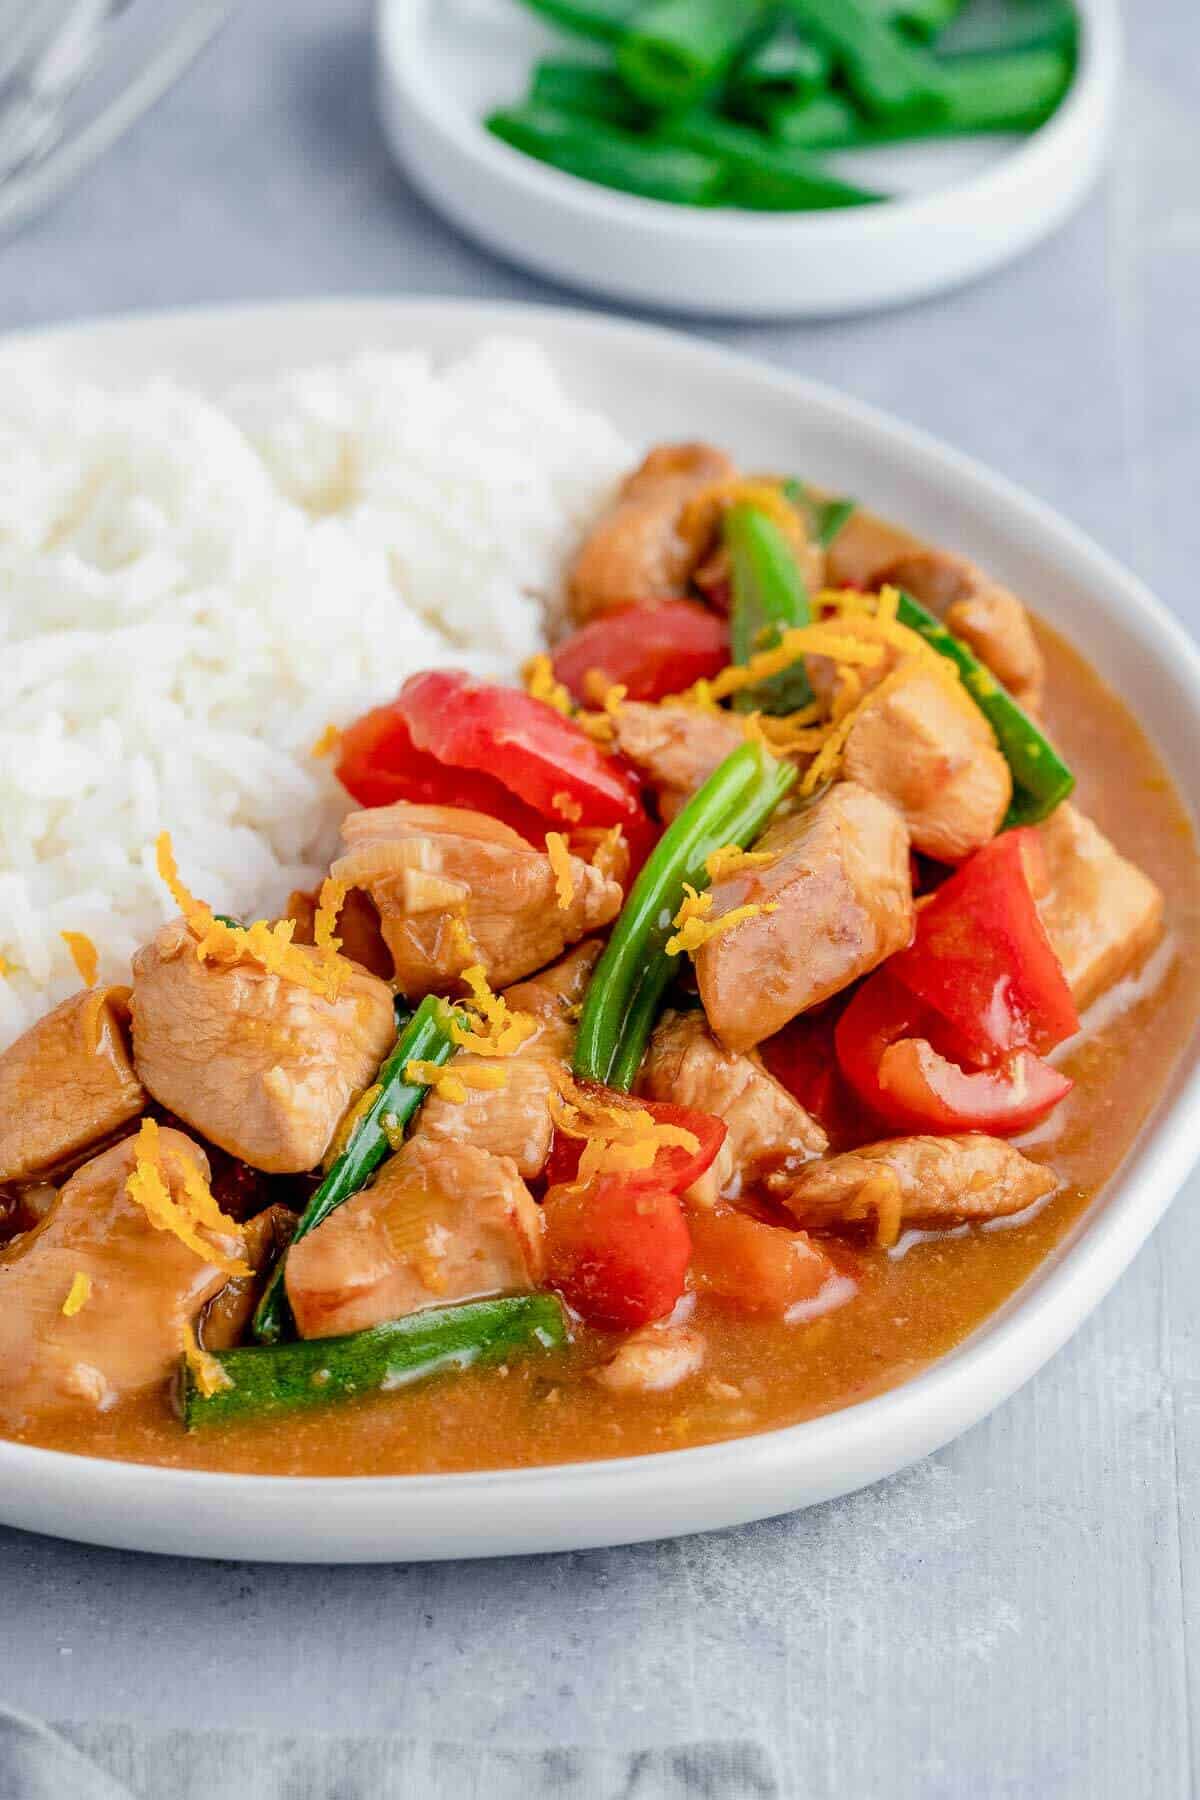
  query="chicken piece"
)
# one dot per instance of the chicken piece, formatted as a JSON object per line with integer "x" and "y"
{"x": 640, "y": 550}
{"x": 766, "y": 1130}
{"x": 1101, "y": 912}
{"x": 67, "y": 1084}
{"x": 357, "y": 928}
{"x": 926, "y": 747}
{"x": 514, "y": 1120}
{"x": 989, "y": 619}
{"x": 823, "y": 670}
{"x": 914, "y": 1181}
{"x": 256, "y": 1063}
{"x": 841, "y": 886}
{"x": 676, "y": 748}
{"x": 226, "y": 1319}
{"x": 146, "y": 1287}
{"x": 442, "y": 1223}
{"x": 428, "y": 868}
{"x": 653, "y": 1360}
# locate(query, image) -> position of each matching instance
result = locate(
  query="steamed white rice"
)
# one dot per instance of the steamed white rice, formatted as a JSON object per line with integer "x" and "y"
{"x": 190, "y": 592}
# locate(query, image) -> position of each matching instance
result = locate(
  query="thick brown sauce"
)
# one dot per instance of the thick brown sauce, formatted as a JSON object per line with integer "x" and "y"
{"x": 762, "y": 1374}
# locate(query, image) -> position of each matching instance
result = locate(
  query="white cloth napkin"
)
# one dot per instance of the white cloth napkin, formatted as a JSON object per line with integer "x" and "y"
{"x": 123, "y": 1762}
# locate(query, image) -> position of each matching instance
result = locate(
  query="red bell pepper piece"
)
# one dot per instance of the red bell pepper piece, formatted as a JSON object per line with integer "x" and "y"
{"x": 546, "y": 760}
{"x": 982, "y": 961}
{"x": 674, "y": 1168}
{"x": 378, "y": 764}
{"x": 756, "y": 1266}
{"x": 650, "y": 650}
{"x": 616, "y": 1251}
{"x": 885, "y": 1050}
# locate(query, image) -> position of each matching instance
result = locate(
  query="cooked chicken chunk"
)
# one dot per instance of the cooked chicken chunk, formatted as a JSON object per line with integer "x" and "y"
{"x": 258, "y": 1064}
{"x": 67, "y": 1084}
{"x": 760, "y": 1267}
{"x": 514, "y": 1120}
{"x": 145, "y": 1287}
{"x": 1101, "y": 912}
{"x": 431, "y": 868}
{"x": 653, "y": 1360}
{"x": 357, "y": 928}
{"x": 443, "y": 1222}
{"x": 927, "y": 748}
{"x": 987, "y": 617}
{"x": 676, "y": 748}
{"x": 839, "y": 880}
{"x": 766, "y": 1130}
{"x": 914, "y": 1181}
{"x": 640, "y": 550}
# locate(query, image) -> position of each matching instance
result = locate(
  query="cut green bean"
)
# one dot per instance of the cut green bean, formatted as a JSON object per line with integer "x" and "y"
{"x": 1032, "y": 25}
{"x": 764, "y": 175}
{"x": 924, "y": 19}
{"x": 676, "y": 52}
{"x": 426, "y": 1038}
{"x": 590, "y": 89}
{"x": 828, "y": 121}
{"x": 769, "y": 595}
{"x": 785, "y": 67}
{"x": 748, "y": 784}
{"x": 741, "y": 826}
{"x": 261, "y": 1382}
{"x": 824, "y": 516}
{"x": 1041, "y": 779}
{"x": 611, "y": 157}
{"x": 605, "y": 21}
{"x": 889, "y": 77}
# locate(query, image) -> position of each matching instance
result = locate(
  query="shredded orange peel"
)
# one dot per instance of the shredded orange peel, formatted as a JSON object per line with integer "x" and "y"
{"x": 84, "y": 955}
{"x": 560, "y": 862}
{"x": 619, "y": 1137}
{"x": 731, "y": 859}
{"x": 702, "y": 512}
{"x": 207, "y": 1372}
{"x": 327, "y": 743}
{"x": 79, "y": 1294}
{"x": 456, "y": 1082}
{"x": 540, "y": 684}
{"x": 494, "y": 1028}
{"x": 323, "y": 971}
{"x": 693, "y": 928}
{"x": 149, "y": 1187}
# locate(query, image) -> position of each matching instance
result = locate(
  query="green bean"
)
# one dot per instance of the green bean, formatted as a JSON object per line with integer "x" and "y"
{"x": 1041, "y": 780}
{"x": 603, "y": 20}
{"x": 785, "y": 67}
{"x": 764, "y": 175}
{"x": 678, "y": 51}
{"x": 1033, "y": 25}
{"x": 749, "y": 783}
{"x": 888, "y": 76}
{"x": 823, "y": 518}
{"x": 769, "y": 595}
{"x": 588, "y": 88}
{"x": 263, "y": 1381}
{"x": 425, "y": 1038}
{"x": 616, "y": 159}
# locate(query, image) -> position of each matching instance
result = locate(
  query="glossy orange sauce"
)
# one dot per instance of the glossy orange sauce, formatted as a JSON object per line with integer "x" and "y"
{"x": 910, "y": 1308}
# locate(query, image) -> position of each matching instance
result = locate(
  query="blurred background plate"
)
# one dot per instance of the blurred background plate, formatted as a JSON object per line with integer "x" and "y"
{"x": 966, "y": 205}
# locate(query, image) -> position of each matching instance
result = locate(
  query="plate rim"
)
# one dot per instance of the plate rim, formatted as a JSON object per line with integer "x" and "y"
{"x": 831, "y": 1454}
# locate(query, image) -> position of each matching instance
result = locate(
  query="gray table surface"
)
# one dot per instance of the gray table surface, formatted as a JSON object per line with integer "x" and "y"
{"x": 1019, "y": 1615}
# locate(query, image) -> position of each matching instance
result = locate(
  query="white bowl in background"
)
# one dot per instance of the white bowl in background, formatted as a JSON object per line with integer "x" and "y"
{"x": 969, "y": 204}
{"x": 656, "y": 384}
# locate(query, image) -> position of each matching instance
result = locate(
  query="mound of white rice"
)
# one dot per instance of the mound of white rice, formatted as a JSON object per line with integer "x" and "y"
{"x": 191, "y": 592}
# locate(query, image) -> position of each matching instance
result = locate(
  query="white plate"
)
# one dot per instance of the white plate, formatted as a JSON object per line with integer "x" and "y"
{"x": 968, "y": 206}
{"x": 655, "y": 384}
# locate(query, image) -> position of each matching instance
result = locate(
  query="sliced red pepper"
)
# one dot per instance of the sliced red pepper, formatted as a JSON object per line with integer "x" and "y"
{"x": 379, "y": 763}
{"x": 982, "y": 961}
{"x": 617, "y": 1253}
{"x": 546, "y": 760}
{"x": 674, "y": 1168}
{"x": 803, "y": 1058}
{"x": 650, "y": 650}
{"x": 885, "y": 1050}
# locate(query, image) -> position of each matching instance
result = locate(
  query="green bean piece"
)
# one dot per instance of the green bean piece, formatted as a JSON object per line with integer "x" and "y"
{"x": 923, "y": 19}
{"x": 741, "y": 826}
{"x": 1041, "y": 779}
{"x": 890, "y": 77}
{"x": 764, "y": 175}
{"x": 746, "y": 781}
{"x": 829, "y": 121}
{"x": 426, "y": 1038}
{"x": 1031, "y": 25}
{"x": 785, "y": 68}
{"x": 616, "y": 159}
{"x": 769, "y": 595}
{"x": 602, "y": 20}
{"x": 588, "y": 88}
{"x": 823, "y": 517}
{"x": 678, "y": 51}
{"x": 263, "y": 1381}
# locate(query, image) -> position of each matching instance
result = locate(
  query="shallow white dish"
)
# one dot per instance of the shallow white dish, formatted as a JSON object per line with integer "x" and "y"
{"x": 968, "y": 204}
{"x": 655, "y": 384}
